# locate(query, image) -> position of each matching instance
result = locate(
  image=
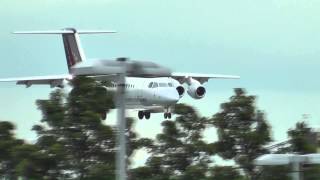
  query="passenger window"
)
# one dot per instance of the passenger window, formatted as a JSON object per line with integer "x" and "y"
{"x": 170, "y": 84}
{"x": 150, "y": 85}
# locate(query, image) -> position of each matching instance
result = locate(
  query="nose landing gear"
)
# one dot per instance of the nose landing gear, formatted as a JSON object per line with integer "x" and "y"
{"x": 145, "y": 114}
{"x": 167, "y": 115}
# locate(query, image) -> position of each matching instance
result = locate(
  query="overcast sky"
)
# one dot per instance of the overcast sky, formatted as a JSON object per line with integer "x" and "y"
{"x": 273, "y": 45}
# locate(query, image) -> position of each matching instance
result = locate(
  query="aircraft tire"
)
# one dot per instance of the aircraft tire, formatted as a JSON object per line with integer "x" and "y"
{"x": 169, "y": 115}
{"x": 165, "y": 115}
{"x": 147, "y": 115}
{"x": 104, "y": 116}
{"x": 140, "y": 114}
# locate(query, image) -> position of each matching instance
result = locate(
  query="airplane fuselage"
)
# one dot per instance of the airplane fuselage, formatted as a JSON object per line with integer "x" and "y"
{"x": 146, "y": 92}
{"x": 140, "y": 92}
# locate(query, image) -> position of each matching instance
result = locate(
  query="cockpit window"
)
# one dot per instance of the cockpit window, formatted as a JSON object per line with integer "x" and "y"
{"x": 163, "y": 84}
{"x": 155, "y": 85}
{"x": 170, "y": 84}
{"x": 150, "y": 85}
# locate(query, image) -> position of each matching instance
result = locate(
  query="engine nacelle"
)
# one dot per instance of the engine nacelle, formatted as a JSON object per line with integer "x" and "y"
{"x": 59, "y": 83}
{"x": 195, "y": 89}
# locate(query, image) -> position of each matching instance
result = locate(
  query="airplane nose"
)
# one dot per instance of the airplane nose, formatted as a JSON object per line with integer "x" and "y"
{"x": 172, "y": 96}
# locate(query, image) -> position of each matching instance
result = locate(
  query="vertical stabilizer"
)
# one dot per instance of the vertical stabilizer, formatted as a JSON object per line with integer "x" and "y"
{"x": 72, "y": 48}
{"x": 71, "y": 41}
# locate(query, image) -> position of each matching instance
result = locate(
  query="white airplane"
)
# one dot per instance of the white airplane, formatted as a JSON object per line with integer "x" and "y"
{"x": 145, "y": 93}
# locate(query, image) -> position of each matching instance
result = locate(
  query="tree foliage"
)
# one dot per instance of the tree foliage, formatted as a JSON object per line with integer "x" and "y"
{"x": 72, "y": 132}
{"x": 242, "y": 131}
{"x": 20, "y": 159}
{"x": 303, "y": 140}
{"x": 224, "y": 173}
{"x": 74, "y": 143}
{"x": 7, "y": 144}
{"x": 179, "y": 152}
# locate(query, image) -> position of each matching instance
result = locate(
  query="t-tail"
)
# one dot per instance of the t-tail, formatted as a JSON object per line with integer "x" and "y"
{"x": 71, "y": 41}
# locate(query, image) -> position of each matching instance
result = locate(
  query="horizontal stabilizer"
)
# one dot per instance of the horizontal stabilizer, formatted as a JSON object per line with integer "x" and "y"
{"x": 66, "y": 31}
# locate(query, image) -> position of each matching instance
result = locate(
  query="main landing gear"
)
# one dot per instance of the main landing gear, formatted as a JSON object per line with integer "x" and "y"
{"x": 167, "y": 115}
{"x": 145, "y": 114}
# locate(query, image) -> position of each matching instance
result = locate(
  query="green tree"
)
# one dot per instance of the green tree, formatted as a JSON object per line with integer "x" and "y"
{"x": 180, "y": 148}
{"x": 274, "y": 173}
{"x": 152, "y": 171}
{"x": 32, "y": 163}
{"x": 134, "y": 142}
{"x": 72, "y": 131}
{"x": 303, "y": 140}
{"x": 224, "y": 173}
{"x": 242, "y": 131}
{"x": 195, "y": 172}
{"x": 19, "y": 159}
{"x": 73, "y": 134}
{"x": 8, "y": 143}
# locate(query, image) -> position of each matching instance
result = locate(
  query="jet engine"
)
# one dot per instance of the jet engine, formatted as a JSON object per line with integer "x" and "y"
{"x": 195, "y": 89}
{"x": 180, "y": 90}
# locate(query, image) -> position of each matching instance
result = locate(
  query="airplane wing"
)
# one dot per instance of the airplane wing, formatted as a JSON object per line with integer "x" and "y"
{"x": 202, "y": 78}
{"x": 109, "y": 77}
{"x": 52, "y": 80}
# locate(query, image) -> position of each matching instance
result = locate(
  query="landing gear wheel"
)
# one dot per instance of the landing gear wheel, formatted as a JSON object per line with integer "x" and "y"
{"x": 169, "y": 115}
{"x": 140, "y": 114}
{"x": 104, "y": 116}
{"x": 147, "y": 115}
{"x": 165, "y": 115}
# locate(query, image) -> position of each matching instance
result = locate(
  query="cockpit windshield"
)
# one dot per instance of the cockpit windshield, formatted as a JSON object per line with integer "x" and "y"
{"x": 155, "y": 85}
{"x": 163, "y": 84}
